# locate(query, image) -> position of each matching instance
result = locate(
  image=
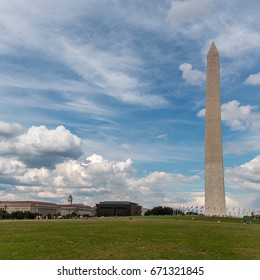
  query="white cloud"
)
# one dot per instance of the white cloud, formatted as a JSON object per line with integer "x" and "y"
{"x": 201, "y": 113}
{"x": 238, "y": 117}
{"x": 246, "y": 176}
{"x": 253, "y": 79}
{"x": 41, "y": 146}
{"x": 243, "y": 145}
{"x": 155, "y": 179}
{"x": 161, "y": 136}
{"x": 96, "y": 178}
{"x": 7, "y": 147}
{"x": 228, "y": 23}
{"x": 110, "y": 71}
{"x": 30, "y": 25}
{"x": 236, "y": 40}
{"x": 187, "y": 11}
{"x": 40, "y": 138}
{"x": 94, "y": 173}
{"x": 162, "y": 188}
{"x": 191, "y": 76}
{"x": 9, "y": 129}
{"x": 35, "y": 176}
{"x": 11, "y": 167}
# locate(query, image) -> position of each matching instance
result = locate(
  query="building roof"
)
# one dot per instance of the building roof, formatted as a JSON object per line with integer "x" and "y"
{"x": 118, "y": 202}
{"x": 27, "y": 201}
{"x": 74, "y": 206}
{"x": 43, "y": 203}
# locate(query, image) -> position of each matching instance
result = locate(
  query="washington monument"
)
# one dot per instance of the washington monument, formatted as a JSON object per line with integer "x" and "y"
{"x": 214, "y": 175}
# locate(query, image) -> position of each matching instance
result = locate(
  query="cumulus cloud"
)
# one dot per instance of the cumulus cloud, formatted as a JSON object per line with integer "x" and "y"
{"x": 93, "y": 179}
{"x": 43, "y": 163}
{"x": 253, "y": 79}
{"x": 11, "y": 167}
{"x": 95, "y": 172}
{"x": 191, "y": 76}
{"x": 9, "y": 129}
{"x": 245, "y": 176}
{"x": 97, "y": 178}
{"x": 40, "y": 146}
{"x": 35, "y": 176}
{"x": 238, "y": 117}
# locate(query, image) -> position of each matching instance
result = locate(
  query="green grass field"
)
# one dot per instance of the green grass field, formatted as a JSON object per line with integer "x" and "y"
{"x": 130, "y": 238}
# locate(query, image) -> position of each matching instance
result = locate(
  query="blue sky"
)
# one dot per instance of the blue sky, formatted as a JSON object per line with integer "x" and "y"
{"x": 105, "y": 100}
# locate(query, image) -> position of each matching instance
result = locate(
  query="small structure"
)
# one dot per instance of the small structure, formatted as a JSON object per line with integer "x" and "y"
{"x": 70, "y": 199}
{"x": 118, "y": 208}
{"x": 78, "y": 209}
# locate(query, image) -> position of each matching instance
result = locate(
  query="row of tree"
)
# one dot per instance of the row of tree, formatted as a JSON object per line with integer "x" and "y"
{"x": 159, "y": 210}
{"x": 20, "y": 215}
{"x": 17, "y": 215}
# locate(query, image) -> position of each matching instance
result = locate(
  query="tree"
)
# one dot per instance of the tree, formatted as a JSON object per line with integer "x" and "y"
{"x": 159, "y": 210}
{"x": 19, "y": 215}
{"x": 4, "y": 214}
{"x": 71, "y": 216}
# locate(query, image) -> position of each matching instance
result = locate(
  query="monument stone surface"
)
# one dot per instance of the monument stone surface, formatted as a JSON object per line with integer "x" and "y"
{"x": 215, "y": 204}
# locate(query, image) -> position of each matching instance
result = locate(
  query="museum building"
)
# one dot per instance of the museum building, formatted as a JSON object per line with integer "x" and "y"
{"x": 118, "y": 208}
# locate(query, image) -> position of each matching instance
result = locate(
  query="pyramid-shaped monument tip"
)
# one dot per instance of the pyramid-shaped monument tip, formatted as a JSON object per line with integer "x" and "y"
{"x": 213, "y": 49}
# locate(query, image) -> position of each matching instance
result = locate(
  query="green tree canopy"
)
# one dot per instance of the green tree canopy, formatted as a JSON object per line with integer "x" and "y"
{"x": 159, "y": 210}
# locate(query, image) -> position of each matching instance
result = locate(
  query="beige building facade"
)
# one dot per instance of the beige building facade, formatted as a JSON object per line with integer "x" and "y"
{"x": 46, "y": 208}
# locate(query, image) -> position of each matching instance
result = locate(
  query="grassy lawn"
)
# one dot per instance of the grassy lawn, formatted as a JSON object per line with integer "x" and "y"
{"x": 130, "y": 238}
